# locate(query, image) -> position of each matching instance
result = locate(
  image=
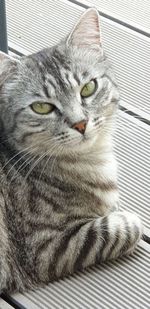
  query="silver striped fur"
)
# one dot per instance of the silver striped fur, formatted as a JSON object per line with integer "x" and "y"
{"x": 58, "y": 188}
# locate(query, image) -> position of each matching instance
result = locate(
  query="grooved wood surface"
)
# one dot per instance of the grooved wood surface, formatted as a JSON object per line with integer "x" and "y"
{"x": 132, "y": 12}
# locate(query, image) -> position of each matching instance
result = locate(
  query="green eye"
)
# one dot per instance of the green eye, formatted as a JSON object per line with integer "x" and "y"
{"x": 42, "y": 108}
{"x": 88, "y": 89}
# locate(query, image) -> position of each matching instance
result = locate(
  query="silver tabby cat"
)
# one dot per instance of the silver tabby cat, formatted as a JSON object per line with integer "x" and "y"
{"x": 58, "y": 185}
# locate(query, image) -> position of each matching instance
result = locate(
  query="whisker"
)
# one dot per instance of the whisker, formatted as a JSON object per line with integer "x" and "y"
{"x": 24, "y": 150}
{"x": 36, "y": 163}
{"x": 22, "y": 167}
{"x": 20, "y": 159}
{"x": 49, "y": 157}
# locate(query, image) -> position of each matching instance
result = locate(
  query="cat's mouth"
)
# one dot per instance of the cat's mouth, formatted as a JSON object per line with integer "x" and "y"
{"x": 85, "y": 142}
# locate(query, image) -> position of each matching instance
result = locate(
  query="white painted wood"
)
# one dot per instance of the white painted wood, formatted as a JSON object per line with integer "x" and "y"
{"x": 132, "y": 12}
{"x": 4, "y": 305}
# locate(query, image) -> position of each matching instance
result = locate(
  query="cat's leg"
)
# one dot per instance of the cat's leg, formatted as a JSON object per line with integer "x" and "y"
{"x": 4, "y": 245}
{"x": 10, "y": 275}
{"x": 101, "y": 239}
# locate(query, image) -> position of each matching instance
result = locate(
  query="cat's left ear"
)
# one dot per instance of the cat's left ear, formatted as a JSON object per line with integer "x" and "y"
{"x": 86, "y": 32}
{"x": 7, "y": 65}
{"x": 7, "y": 58}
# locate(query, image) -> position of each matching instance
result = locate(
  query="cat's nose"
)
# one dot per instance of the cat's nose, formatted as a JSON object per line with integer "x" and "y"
{"x": 80, "y": 126}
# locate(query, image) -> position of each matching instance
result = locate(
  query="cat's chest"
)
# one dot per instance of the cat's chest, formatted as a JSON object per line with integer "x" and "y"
{"x": 99, "y": 186}
{"x": 77, "y": 188}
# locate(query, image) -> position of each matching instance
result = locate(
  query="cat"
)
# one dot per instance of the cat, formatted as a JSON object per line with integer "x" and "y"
{"x": 58, "y": 177}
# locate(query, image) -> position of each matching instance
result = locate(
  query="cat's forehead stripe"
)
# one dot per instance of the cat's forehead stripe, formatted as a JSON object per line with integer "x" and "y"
{"x": 70, "y": 80}
{"x": 45, "y": 89}
{"x": 49, "y": 79}
{"x": 73, "y": 81}
{"x": 61, "y": 60}
{"x": 76, "y": 78}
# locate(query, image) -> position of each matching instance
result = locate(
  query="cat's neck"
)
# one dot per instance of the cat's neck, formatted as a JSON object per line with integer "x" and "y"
{"x": 98, "y": 161}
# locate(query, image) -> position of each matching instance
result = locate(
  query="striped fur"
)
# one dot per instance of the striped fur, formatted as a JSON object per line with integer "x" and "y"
{"x": 58, "y": 188}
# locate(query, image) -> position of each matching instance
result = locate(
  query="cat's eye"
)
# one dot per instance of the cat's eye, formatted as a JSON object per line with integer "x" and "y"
{"x": 42, "y": 108}
{"x": 89, "y": 89}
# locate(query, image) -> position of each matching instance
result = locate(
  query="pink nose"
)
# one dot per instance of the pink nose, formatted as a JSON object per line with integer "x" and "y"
{"x": 80, "y": 126}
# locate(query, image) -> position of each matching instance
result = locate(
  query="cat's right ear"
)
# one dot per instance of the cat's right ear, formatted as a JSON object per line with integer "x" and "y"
{"x": 7, "y": 65}
{"x": 86, "y": 33}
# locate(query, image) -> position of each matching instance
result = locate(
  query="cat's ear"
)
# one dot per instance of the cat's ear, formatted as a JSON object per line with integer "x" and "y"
{"x": 7, "y": 65}
{"x": 7, "y": 58}
{"x": 86, "y": 32}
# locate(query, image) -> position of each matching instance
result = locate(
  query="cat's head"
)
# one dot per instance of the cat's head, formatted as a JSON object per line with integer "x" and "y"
{"x": 61, "y": 98}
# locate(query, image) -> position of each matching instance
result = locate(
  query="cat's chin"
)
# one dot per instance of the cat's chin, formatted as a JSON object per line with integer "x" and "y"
{"x": 84, "y": 144}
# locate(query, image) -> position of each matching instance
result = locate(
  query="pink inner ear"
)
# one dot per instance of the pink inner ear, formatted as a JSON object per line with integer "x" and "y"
{"x": 87, "y": 31}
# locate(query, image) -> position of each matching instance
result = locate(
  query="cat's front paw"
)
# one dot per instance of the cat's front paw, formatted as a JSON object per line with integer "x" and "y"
{"x": 126, "y": 230}
{"x": 135, "y": 227}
